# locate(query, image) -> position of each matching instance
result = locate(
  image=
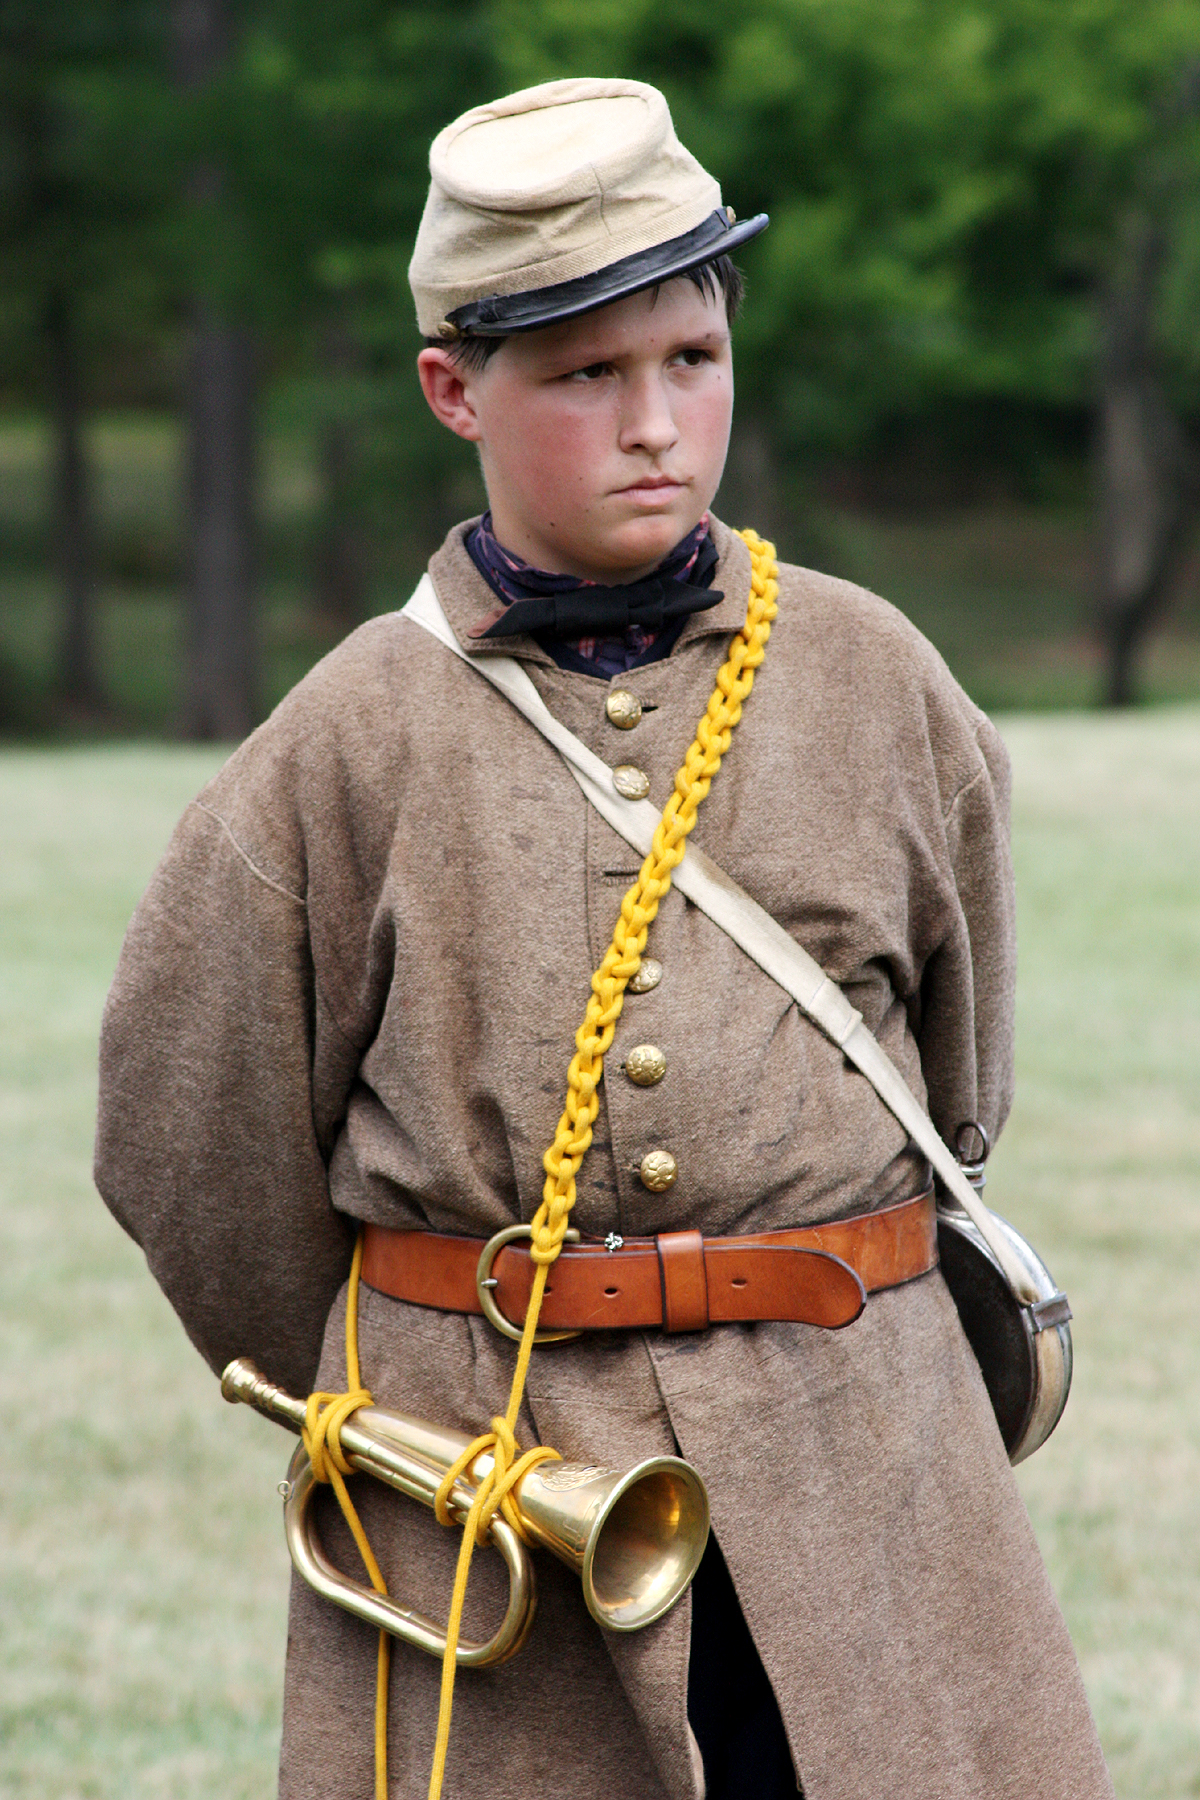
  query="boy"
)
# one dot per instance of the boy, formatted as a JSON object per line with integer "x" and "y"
{"x": 353, "y": 988}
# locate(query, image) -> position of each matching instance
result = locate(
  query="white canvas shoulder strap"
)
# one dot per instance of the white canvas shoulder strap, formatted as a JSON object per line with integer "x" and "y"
{"x": 750, "y": 926}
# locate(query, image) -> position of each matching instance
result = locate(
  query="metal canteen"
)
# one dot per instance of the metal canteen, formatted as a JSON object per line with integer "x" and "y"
{"x": 1023, "y": 1348}
{"x": 634, "y": 1539}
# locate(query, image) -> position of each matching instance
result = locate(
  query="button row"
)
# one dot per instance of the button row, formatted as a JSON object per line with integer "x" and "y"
{"x": 645, "y": 1065}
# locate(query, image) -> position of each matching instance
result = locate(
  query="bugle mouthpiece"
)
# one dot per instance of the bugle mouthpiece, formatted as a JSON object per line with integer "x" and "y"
{"x": 243, "y": 1380}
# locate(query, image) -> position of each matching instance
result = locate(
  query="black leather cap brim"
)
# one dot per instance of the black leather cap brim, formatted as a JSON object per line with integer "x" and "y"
{"x": 500, "y": 315}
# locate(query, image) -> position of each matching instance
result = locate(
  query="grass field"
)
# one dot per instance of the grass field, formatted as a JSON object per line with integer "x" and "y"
{"x": 142, "y": 1573}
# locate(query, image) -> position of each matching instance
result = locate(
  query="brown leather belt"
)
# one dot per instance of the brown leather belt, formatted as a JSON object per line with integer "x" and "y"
{"x": 679, "y": 1281}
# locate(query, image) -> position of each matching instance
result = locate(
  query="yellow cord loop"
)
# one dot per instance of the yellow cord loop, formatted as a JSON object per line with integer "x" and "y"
{"x": 328, "y": 1412}
{"x": 321, "y": 1436}
{"x": 574, "y": 1135}
{"x": 495, "y": 1490}
{"x": 322, "y": 1432}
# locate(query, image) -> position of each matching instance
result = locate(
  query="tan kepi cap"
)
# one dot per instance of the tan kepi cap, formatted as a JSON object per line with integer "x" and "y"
{"x": 557, "y": 200}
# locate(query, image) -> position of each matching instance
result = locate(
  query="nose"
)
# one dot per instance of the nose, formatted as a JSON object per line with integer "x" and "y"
{"x": 647, "y": 420}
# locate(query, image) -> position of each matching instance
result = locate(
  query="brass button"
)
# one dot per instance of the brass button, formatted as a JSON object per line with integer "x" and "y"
{"x": 658, "y": 1171}
{"x": 648, "y": 976}
{"x": 630, "y": 781}
{"x": 645, "y": 1065}
{"x": 623, "y": 708}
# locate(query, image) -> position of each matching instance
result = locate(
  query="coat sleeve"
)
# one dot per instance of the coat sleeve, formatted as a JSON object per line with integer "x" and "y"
{"x": 968, "y": 987}
{"x": 223, "y": 1078}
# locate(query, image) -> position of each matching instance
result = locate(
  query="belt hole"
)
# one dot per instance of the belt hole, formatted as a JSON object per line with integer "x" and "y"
{"x": 612, "y": 1292}
{"x": 739, "y": 1281}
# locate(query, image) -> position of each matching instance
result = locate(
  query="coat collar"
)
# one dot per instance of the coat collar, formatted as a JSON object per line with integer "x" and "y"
{"x": 468, "y": 601}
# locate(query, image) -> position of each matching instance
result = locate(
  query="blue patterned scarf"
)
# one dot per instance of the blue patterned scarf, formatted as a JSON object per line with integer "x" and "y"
{"x": 691, "y": 565}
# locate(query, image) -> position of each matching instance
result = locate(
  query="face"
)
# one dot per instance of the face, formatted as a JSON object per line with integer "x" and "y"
{"x": 602, "y": 439}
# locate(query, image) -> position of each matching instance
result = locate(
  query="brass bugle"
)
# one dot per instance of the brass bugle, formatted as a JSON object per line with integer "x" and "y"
{"x": 635, "y": 1540}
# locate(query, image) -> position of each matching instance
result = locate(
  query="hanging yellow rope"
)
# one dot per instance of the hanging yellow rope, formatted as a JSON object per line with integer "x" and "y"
{"x": 326, "y": 1412}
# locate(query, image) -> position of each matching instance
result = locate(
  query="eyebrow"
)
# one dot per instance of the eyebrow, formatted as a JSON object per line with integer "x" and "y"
{"x": 590, "y": 357}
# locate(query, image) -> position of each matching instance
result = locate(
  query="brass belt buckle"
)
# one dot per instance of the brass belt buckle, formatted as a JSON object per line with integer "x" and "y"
{"x": 485, "y": 1281}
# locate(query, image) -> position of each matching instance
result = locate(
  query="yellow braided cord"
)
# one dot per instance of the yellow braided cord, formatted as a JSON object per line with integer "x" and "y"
{"x": 574, "y": 1135}
{"x": 326, "y": 1414}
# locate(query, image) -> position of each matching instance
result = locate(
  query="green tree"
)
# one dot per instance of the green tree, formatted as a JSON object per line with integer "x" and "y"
{"x": 75, "y": 213}
{"x": 296, "y": 137}
{"x": 957, "y": 190}
{"x": 327, "y": 123}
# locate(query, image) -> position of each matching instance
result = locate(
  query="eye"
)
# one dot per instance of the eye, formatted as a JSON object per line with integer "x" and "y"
{"x": 593, "y": 372}
{"x": 693, "y": 357}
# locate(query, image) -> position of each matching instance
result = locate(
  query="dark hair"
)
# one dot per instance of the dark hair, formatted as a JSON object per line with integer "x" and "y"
{"x": 720, "y": 276}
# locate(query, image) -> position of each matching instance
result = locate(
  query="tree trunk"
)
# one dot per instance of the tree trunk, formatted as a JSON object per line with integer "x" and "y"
{"x": 222, "y": 668}
{"x": 221, "y": 677}
{"x": 1146, "y": 469}
{"x": 78, "y": 682}
{"x": 340, "y": 563}
{"x": 202, "y": 37}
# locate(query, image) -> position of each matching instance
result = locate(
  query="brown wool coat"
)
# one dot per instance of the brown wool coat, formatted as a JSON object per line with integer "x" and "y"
{"x": 350, "y": 993}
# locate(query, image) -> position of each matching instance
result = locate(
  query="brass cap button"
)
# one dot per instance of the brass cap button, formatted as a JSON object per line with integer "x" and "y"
{"x": 658, "y": 1171}
{"x": 648, "y": 976}
{"x": 645, "y": 1065}
{"x": 631, "y": 782}
{"x": 623, "y": 708}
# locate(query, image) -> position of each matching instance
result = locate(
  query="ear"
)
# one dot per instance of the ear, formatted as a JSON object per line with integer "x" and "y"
{"x": 449, "y": 391}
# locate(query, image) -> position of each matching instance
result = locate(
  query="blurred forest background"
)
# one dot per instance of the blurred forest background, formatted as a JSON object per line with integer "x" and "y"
{"x": 969, "y": 370}
{"x": 969, "y": 376}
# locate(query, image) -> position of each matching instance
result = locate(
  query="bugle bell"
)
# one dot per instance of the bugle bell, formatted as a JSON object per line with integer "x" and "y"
{"x": 635, "y": 1540}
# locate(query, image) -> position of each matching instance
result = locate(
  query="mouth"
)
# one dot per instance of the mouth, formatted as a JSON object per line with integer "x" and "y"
{"x": 651, "y": 487}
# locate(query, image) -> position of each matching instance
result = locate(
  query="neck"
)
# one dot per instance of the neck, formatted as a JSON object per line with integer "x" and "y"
{"x": 512, "y": 575}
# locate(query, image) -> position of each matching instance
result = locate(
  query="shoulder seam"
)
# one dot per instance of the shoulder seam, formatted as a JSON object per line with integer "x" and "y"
{"x": 967, "y": 785}
{"x": 297, "y": 900}
{"x": 267, "y": 880}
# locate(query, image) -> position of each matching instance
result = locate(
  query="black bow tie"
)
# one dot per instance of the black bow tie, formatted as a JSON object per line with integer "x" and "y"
{"x": 604, "y": 612}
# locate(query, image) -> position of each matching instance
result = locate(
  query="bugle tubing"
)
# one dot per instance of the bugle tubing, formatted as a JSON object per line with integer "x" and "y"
{"x": 634, "y": 1539}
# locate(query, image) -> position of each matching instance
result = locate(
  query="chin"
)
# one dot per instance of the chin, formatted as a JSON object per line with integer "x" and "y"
{"x": 646, "y": 540}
